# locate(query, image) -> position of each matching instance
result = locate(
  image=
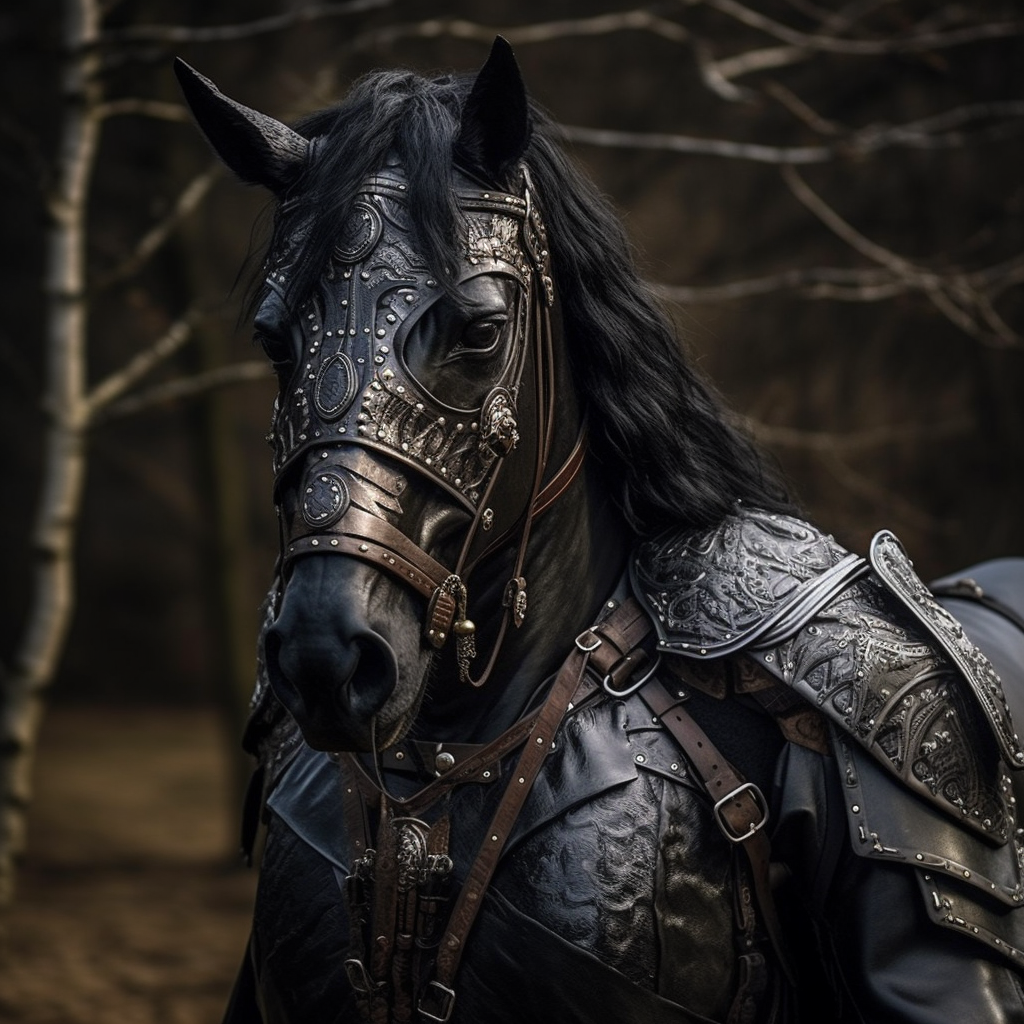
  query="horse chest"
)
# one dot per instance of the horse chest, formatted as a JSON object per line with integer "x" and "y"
{"x": 616, "y": 885}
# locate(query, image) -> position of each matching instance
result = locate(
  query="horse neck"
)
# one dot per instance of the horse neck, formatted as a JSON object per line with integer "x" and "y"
{"x": 576, "y": 556}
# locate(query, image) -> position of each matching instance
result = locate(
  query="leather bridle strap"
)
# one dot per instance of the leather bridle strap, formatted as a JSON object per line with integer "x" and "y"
{"x": 376, "y": 541}
{"x": 628, "y": 626}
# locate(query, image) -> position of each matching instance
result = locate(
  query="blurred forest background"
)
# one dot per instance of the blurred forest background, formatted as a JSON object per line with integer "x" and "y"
{"x": 828, "y": 196}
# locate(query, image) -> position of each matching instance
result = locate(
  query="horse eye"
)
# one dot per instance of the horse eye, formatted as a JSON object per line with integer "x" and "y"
{"x": 482, "y": 336}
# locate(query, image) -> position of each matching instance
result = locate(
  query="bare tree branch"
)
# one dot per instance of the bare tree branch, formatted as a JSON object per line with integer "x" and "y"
{"x": 163, "y": 348}
{"x": 802, "y": 111}
{"x": 913, "y": 42}
{"x": 695, "y": 146}
{"x": 186, "y": 387}
{"x": 953, "y": 294}
{"x": 862, "y": 142}
{"x": 192, "y": 195}
{"x": 848, "y": 285}
{"x": 519, "y": 35}
{"x": 245, "y": 30}
{"x": 768, "y": 58}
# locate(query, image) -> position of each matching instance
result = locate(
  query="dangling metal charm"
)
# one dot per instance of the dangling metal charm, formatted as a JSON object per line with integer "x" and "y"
{"x": 499, "y": 431}
{"x": 453, "y": 590}
{"x": 515, "y": 598}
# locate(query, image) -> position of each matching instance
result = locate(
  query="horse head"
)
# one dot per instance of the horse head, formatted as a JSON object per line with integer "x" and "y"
{"x": 425, "y": 416}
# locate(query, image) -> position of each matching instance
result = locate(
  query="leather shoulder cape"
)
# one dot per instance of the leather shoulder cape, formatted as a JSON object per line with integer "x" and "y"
{"x": 862, "y": 640}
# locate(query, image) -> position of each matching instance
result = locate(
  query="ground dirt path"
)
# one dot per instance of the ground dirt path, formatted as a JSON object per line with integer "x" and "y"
{"x": 129, "y": 908}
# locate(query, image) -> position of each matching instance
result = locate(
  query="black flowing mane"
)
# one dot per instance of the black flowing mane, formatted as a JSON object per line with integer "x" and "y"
{"x": 656, "y": 426}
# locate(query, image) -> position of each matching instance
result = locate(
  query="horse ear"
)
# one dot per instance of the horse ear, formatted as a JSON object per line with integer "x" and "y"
{"x": 495, "y": 118}
{"x": 260, "y": 150}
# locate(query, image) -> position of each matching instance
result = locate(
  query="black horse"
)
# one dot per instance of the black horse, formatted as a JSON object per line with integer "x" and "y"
{"x": 550, "y": 653}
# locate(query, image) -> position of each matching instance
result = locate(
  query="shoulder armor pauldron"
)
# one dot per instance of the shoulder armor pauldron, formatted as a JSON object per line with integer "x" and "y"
{"x": 756, "y": 577}
{"x": 888, "y": 672}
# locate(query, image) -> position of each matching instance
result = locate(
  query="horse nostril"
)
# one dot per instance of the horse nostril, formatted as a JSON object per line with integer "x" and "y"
{"x": 314, "y": 672}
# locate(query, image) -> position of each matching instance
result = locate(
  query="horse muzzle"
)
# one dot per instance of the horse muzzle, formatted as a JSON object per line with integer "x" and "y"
{"x": 343, "y": 682}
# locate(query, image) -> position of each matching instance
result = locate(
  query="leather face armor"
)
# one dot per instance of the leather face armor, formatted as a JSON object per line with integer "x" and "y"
{"x": 360, "y": 381}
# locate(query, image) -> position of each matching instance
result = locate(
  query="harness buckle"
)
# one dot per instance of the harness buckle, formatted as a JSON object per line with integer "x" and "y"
{"x": 608, "y": 683}
{"x": 760, "y": 805}
{"x": 588, "y": 641}
{"x": 445, "y": 1002}
{"x": 359, "y": 977}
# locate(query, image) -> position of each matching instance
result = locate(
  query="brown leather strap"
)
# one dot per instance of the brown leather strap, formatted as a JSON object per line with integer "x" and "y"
{"x": 376, "y": 541}
{"x": 439, "y": 996}
{"x": 740, "y": 808}
{"x": 537, "y": 747}
{"x": 468, "y": 770}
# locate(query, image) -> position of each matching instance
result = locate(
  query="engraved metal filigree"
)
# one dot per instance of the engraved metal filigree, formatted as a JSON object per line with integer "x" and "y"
{"x": 893, "y": 565}
{"x": 713, "y": 592}
{"x": 806, "y": 611}
{"x": 866, "y": 665}
{"x": 353, "y": 382}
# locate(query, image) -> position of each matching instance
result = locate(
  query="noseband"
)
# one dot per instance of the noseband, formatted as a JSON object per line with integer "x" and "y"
{"x": 353, "y": 393}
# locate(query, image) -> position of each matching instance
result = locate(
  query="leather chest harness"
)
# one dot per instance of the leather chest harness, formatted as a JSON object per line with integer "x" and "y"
{"x": 406, "y": 949}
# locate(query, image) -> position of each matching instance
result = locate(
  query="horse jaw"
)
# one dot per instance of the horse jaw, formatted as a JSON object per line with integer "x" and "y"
{"x": 344, "y": 656}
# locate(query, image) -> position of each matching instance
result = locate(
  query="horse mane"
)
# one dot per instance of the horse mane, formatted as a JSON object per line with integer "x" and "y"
{"x": 659, "y": 429}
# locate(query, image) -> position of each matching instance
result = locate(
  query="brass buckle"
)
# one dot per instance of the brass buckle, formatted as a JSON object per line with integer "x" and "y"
{"x": 755, "y": 826}
{"x": 444, "y": 1009}
{"x": 606, "y": 683}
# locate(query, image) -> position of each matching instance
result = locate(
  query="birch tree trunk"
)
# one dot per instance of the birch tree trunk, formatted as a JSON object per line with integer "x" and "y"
{"x": 67, "y": 408}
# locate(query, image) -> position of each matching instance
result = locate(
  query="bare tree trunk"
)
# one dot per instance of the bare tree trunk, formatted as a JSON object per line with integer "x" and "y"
{"x": 67, "y": 407}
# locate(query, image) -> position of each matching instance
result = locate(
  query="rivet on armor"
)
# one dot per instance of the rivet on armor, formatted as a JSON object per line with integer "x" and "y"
{"x": 855, "y": 808}
{"x": 444, "y": 761}
{"x": 486, "y": 775}
{"x": 399, "y": 756}
{"x": 674, "y": 766}
{"x": 640, "y": 758}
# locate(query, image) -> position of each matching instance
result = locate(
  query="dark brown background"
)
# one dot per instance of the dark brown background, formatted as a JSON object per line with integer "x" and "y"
{"x": 884, "y": 413}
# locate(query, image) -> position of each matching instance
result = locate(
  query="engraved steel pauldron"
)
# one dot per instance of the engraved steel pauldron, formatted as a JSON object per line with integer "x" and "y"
{"x": 873, "y": 651}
